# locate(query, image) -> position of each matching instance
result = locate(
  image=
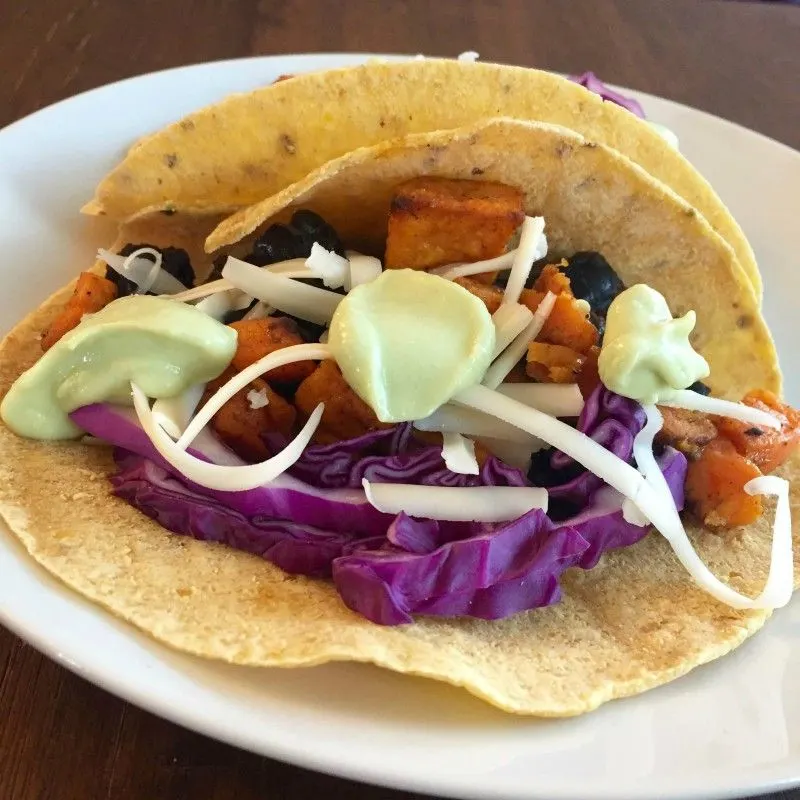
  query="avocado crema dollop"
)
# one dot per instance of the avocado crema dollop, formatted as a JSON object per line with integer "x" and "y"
{"x": 162, "y": 345}
{"x": 646, "y": 354}
{"x": 408, "y": 341}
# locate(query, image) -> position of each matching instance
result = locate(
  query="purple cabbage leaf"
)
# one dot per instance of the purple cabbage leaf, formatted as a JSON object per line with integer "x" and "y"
{"x": 385, "y": 567}
{"x": 591, "y": 82}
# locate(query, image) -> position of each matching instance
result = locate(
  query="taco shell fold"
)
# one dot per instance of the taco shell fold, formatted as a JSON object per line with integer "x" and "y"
{"x": 251, "y": 145}
{"x": 592, "y": 198}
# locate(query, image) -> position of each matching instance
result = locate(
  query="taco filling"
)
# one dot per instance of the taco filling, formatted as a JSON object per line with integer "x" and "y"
{"x": 441, "y": 430}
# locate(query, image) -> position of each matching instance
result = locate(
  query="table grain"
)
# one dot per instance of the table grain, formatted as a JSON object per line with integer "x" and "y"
{"x": 64, "y": 739}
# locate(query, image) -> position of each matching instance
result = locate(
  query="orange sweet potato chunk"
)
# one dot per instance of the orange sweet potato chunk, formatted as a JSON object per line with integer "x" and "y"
{"x": 242, "y": 427}
{"x": 567, "y": 324}
{"x": 345, "y": 416}
{"x": 715, "y": 486}
{"x": 553, "y": 363}
{"x": 260, "y": 337}
{"x": 92, "y": 292}
{"x": 765, "y": 447}
{"x": 436, "y": 221}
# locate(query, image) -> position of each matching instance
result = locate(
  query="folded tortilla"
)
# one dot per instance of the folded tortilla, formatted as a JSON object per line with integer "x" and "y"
{"x": 633, "y": 622}
{"x": 251, "y": 145}
{"x": 592, "y": 198}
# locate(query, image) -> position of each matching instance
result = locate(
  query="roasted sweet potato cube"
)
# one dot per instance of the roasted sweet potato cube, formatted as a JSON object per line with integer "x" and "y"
{"x": 243, "y": 422}
{"x": 715, "y": 487}
{"x": 765, "y": 447}
{"x": 92, "y": 292}
{"x": 259, "y": 337}
{"x": 345, "y": 416}
{"x": 436, "y": 221}
{"x": 687, "y": 431}
{"x": 491, "y": 296}
{"x": 553, "y": 363}
{"x": 551, "y": 279}
{"x": 567, "y": 325}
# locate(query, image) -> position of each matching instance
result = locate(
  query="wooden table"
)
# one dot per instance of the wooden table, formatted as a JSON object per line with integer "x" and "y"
{"x": 63, "y": 739}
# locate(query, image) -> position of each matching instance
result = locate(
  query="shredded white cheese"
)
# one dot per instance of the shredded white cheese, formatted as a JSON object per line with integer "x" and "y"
{"x": 778, "y": 589}
{"x": 556, "y": 399}
{"x": 649, "y": 492}
{"x": 469, "y": 56}
{"x": 293, "y": 268}
{"x": 363, "y": 269}
{"x": 532, "y": 247}
{"x": 514, "y": 453}
{"x": 278, "y": 358}
{"x": 219, "y": 304}
{"x": 146, "y": 274}
{"x": 506, "y": 361}
{"x": 451, "y": 418}
{"x": 291, "y": 296}
{"x": 645, "y": 460}
{"x": 693, "y": 401}
{"x": 329, "y": 267}
{"x": 458, "y": 453}
{"x": 173, "y": 413}
{"x": 257, "y": 399}
{"x": 509, "y": 322}
{"x": 496, "y": 264}
{"x": 206, "y": 290}
{"x": 457, "y": 504}
{"x": 592, "y": 455}
{"x": 215, "y": 476}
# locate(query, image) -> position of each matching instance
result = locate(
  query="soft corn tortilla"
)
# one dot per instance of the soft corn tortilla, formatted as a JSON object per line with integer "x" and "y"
{"x": 633, "y": 622}
{"x": 592, "y": 198}
{"x": 249, "y": 146}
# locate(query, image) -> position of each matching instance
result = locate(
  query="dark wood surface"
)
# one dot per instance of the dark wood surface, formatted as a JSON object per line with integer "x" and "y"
{"x": 63, "y": 739}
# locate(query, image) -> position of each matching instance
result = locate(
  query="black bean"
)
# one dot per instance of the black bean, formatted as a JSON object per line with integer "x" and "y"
{"x": 593, "y": 279}
{"x": 312, "y": 228}
{"x": 700, "y": 388}
{"x": 542, "y": 473}
{"x": 559, "y": 509}
{"x": 277, "y": 243}
{"x": 174, "y": 260}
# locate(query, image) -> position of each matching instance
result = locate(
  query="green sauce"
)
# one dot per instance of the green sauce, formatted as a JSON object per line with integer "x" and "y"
{"x": 408, "y": 341}
{"x": 646, "y": 354}
{"x": 162, "y": 345}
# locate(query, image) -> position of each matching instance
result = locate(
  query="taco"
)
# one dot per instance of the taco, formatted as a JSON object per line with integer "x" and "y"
{"x": 252, "y": 145}
{"x": 443, "y": 454}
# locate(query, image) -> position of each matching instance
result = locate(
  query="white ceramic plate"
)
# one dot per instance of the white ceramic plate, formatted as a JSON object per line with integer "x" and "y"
{"x": 729, "y": 728}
